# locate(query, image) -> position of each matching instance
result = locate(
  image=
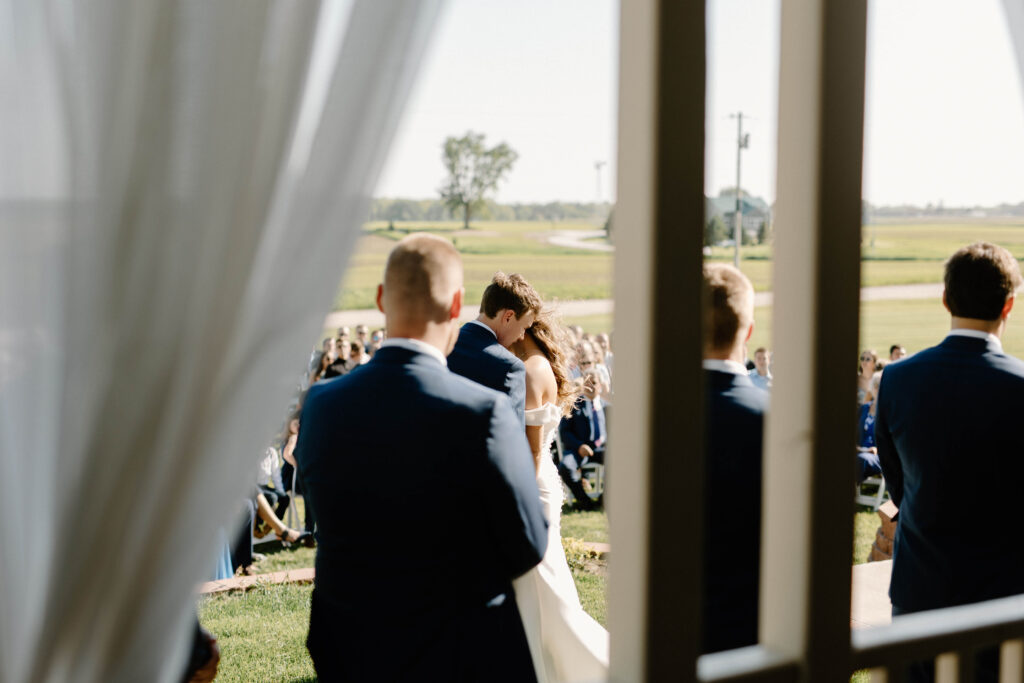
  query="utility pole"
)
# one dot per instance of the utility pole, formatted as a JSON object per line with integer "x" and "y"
{"x": 597, "y": 167}
{"x": 742, "y": 142}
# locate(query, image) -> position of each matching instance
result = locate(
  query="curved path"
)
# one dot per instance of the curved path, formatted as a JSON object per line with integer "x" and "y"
{"x": 576, "y": 309}
{"x": 577, "y": 239}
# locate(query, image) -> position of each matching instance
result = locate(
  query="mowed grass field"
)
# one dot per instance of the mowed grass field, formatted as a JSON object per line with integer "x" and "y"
{"x": 894, "y": 254}
{"x": 513, "y": 247}
{"x": 897, "y": 254}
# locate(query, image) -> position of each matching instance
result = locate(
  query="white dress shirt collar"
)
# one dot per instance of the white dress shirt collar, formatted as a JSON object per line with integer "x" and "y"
{"x": 977, "y": 334}
{"x": 416, "y": 345}
{"x": 725, "y": 366}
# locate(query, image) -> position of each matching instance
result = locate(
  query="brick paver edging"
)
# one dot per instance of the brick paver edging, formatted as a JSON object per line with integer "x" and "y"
{"x": 244, "y": 583}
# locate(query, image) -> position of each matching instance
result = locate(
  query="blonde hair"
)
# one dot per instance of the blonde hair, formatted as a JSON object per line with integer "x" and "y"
{"x": 422, "y": 273}
{"x": 732, "y": 304}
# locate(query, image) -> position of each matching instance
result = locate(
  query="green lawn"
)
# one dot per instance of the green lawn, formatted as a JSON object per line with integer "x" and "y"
{"x": 914, "y": 323}
{"x": 513, "y": 247}
{"x": 262, "y": 632}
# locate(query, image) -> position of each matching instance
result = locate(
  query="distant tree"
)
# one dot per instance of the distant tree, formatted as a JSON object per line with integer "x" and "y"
{"x": 715, "y": 231}
{"x": 764, "y": 233}
{"x": 746, "y": 239}
{"x": 473, "y": 171}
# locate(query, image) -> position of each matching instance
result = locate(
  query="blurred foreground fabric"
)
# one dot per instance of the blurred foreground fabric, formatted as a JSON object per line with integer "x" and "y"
{"x": 180, "y": 186}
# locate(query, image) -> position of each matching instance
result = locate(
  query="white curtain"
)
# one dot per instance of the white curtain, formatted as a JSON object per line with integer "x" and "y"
{"x": 1015, "y": 19}
{"x": 180, "y": 186}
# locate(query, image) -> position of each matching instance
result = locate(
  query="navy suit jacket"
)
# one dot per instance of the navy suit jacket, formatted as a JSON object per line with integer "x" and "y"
{"x": 575, "y": 430}
{"x": 427, "y": 507}
{"x": 952, "y": 452}
{"x": 478, "y": 356}
{"x": 732, "y": 510}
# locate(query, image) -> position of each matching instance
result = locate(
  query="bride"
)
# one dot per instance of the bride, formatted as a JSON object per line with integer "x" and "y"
{"x": 566, "y": 644}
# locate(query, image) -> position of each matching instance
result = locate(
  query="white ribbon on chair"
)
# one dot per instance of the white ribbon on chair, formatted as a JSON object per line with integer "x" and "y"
{"x": 180, "y": 186}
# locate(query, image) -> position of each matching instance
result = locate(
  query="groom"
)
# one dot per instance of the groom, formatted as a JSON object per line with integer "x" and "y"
{"x": 507, "y": 309}
{"x": 414, "y": 567}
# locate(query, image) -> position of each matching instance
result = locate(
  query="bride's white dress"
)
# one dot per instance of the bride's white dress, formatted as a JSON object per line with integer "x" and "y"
{"x": 565, "y": 642}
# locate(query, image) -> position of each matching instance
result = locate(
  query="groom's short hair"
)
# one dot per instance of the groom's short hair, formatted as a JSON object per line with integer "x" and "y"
{"x": 979, "y": 279}
{"x": 422, "y": 273}
{"x": 731, "y": 307}
{"x": 510, "y": 292}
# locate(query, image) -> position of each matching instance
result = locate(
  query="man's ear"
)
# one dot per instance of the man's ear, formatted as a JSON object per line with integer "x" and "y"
{"x": 508, "y": 315}
{"x": 750, "y": 331}
{"x": 380, "y": 298}
{"x": 944, "y": 302}
{"x": 1008, "y": 306}
{"x": 456, "y": 307}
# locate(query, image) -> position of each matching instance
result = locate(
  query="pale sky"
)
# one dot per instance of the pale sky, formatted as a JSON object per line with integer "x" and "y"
{"x": 944, "y": 114}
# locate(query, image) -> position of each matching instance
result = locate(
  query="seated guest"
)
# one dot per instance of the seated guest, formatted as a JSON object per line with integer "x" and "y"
{"x": 323, "y": 363}
{"x": 732, "y": 471}
{"x": 896, "y": 352}
{"x": 584, "y": 434}
{"x": 288, "y": 473}
{"x": 271, "y": 522}
{"x": 604, "y": 343}
{"x": 867, "y": 453}
{"x": 357, "y": 356}
{"x": 362, "y": 336}
{"x": 866, "y": 369}
{"x": 761, "y": 375}
{"x": 342, "y": 364}
{"x": 376, "y": 339}
{"x": 242, "y": 556}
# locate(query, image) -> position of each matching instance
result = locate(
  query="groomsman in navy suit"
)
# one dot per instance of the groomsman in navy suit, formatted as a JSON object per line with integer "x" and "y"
{"x": 732, "y": 471}
{"x": 507, "y": 310}
{"x": 950, "y": 445}
{"x": 425, "y": 496}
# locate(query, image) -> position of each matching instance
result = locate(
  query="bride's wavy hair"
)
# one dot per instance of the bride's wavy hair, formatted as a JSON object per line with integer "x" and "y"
{"x": 553, "y": 340}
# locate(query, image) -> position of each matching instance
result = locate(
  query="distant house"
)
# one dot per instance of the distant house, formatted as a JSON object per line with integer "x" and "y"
{"x": 756, "y": 212}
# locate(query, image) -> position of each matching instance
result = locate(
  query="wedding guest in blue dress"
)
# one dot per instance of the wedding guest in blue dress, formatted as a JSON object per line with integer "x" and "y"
{"x": 867, "y": 453}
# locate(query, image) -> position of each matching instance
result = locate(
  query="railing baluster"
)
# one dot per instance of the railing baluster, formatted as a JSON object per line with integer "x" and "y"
{"x": 879, "y": 675}
{"x": 1011, "y": 662}
{"x": 947, "y": 668}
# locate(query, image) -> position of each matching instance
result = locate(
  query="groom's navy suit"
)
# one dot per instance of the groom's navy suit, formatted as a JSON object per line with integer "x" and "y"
{"x": 424, "y": 491}
{"x": 478, "y": 356}
{"x": 732, "y": 510}
{"x": 950, "y": 442}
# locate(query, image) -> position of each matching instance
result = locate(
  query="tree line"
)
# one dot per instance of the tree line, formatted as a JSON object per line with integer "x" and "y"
{"x": 384, "y": 209}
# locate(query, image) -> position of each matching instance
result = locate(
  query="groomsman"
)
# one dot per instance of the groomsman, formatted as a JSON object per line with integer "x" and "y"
{"x": 950, "y": 448}
{"x": 425, "y": 496}
{"x": 507, "y": 310}
{"x": 735, "y": 423}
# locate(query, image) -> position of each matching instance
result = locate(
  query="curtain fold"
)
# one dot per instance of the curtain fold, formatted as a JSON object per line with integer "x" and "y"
{"x": 180, "y": 187}
{"x": 1015, "y": 20}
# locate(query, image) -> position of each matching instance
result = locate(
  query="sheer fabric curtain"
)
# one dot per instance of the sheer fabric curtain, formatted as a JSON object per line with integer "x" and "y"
{"x": 1015, "y": 19}
{"x": 180, "y": 186}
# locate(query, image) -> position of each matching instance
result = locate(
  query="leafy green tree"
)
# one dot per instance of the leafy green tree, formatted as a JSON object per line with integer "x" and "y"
{"x": 473, "y": 171}
{"x": 715, "y": 231}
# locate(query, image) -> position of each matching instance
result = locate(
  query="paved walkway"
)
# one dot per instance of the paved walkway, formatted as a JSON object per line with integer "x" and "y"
{"x": 577, "y": 239}
{"x": 576, "y": 309}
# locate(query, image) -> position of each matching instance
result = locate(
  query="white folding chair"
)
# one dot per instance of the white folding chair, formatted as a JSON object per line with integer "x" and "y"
{"x": 874, "y": 499}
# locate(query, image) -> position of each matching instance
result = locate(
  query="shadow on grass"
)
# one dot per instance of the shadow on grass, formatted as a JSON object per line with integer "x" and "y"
{"x": 305, "y": 679}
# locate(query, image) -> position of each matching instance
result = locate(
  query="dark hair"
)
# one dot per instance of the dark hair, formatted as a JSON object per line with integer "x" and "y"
{"x": 510, "y": 292}
{"x": 553, "y": 341}
{"x": 894, "y": 347}
{"x": 979, "y": 279}
{"x": 356, "y": 345}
